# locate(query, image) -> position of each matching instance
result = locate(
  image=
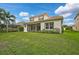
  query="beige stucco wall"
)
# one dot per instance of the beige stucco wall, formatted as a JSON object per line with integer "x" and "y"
{"x": 58, "y": 25}
{"x": 42, "y": 26}
{"x": 36, "y": 19}
{"x": 76, "y": 25}
{"x": 45, "y": 17}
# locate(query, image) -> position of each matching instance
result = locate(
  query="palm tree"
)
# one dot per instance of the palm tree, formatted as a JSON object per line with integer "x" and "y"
{"x": 6, "y": 17}
{"x": 2, "y": 17}
{"x": 12, "y": 19}
{"x": 12, "y": 22}
{"x": 2, "y": 14}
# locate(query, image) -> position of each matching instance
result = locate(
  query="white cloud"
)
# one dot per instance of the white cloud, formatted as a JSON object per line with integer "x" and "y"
{"x": 66, "y": 15}
{"x": 17, "y": 21}
{"x": 32, "y": 15}
{"x": 67, "y": 10}
{"x": 70, "y": 24}
{"x": 68, "y": 21}
{"x": 25, "y": 19}
{"x": 23, "y": 14}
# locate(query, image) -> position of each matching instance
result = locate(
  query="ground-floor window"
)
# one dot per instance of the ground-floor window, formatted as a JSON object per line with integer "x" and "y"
{"x": 33, "y": 27}
{"x": 49, "y": 25}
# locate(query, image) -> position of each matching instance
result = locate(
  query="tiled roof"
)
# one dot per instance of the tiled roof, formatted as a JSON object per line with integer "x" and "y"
{"x": 39, "y": 15}
{"x": 54, "y": 18}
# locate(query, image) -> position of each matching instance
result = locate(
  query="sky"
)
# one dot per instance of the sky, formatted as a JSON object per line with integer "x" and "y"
{"x": 23, "y": 11}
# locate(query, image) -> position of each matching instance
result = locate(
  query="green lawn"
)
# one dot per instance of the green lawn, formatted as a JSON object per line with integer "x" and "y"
{"x": 39, "y": 43}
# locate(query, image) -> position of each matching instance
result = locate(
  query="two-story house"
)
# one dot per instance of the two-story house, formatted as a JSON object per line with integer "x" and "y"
{"x": 44, "y": 22}
{"x": 76, "y": 24}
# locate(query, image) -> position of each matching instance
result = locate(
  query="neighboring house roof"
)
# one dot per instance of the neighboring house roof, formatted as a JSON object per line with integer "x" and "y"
{"x": 76, "y": 16}
{"x": 54, "y": 18}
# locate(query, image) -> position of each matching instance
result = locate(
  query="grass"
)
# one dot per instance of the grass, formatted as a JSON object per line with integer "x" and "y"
{"x": 21, "y": 43}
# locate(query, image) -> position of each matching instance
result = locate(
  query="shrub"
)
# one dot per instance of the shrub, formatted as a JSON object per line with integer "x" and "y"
{"x": 49, "y": 31}
{"x": 20, "y": 28}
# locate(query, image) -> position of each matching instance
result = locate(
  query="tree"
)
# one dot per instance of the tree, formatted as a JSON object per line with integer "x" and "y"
{"x": 12, "y": 19}
{"x": 6, "y": 17}
{"x": 2, "y": 12}
{"x": 2, "y": 17}
{"x": 9, "y": 18}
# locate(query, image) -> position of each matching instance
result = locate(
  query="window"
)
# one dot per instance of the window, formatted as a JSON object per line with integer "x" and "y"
{"x": 41, "y": 18}
{"x": 49, "y": 25}
{"x": 31, "y": 19}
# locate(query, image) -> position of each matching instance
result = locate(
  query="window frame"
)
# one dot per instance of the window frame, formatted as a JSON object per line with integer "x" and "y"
{"x": 50, "y": 25}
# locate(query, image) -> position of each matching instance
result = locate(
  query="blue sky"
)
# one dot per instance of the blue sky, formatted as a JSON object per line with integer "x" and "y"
{"x": 23, "y": 11}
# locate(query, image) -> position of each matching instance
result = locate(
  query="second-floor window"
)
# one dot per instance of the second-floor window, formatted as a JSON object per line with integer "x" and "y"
{"x": 31, "y": 19}
{"x": 41, "y": 18}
